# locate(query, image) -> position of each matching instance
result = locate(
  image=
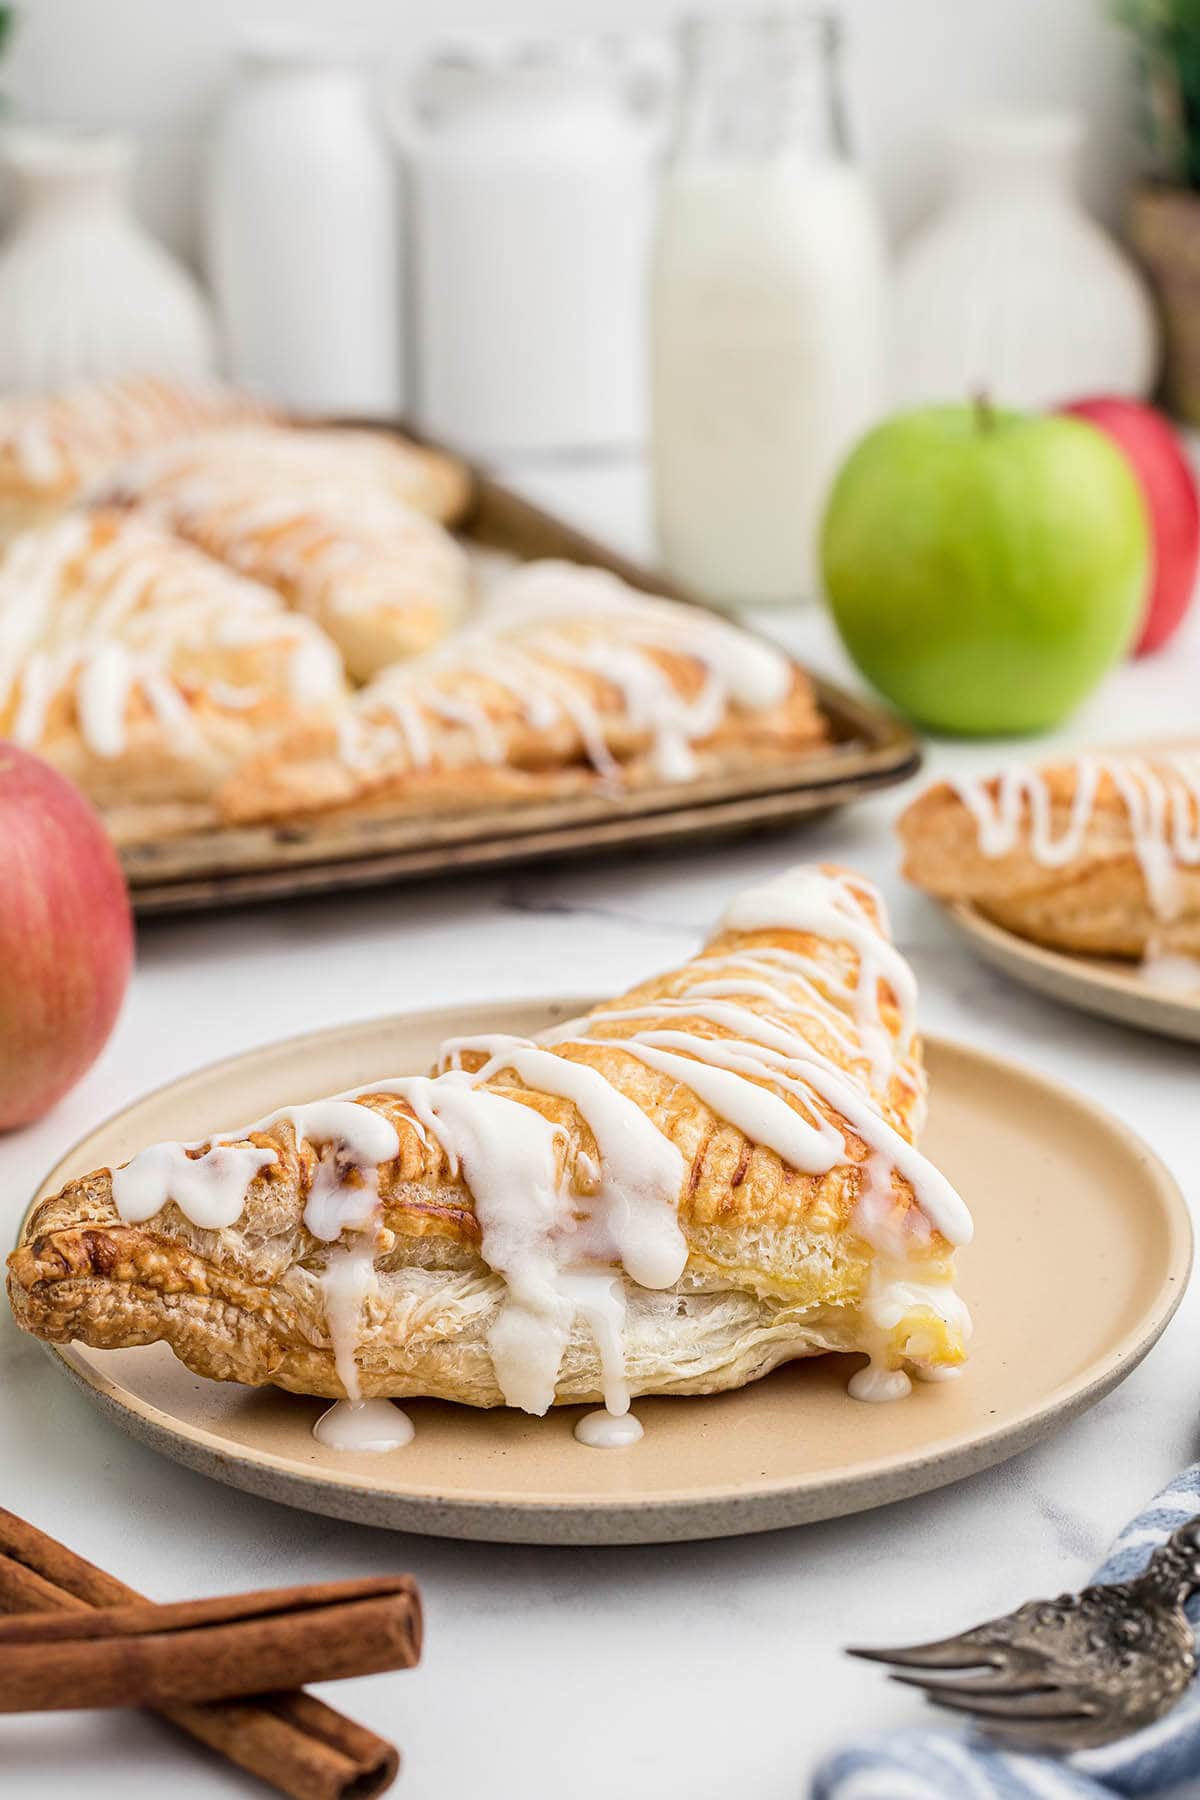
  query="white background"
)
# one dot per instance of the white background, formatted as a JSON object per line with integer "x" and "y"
{"x": 911, "y": 66}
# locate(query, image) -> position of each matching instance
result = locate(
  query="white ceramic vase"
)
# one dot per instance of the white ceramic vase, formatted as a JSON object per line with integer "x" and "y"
{"x": 1012, "y": 288}
{"x": 85, "y": 291}
{"x": 304, "y": 229}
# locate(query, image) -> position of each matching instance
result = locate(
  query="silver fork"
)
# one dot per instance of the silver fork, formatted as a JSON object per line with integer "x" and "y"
{"x": 1070, "y": 1673}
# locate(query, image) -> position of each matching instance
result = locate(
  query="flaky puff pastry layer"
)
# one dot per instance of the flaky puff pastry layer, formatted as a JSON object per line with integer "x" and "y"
{"x": 145, "y": 671}
{"x": 1098, "y": 854}
{"x": 595, "y": 688}
{"x": 777, "y": 1266}
{"x": 343, "y": 524}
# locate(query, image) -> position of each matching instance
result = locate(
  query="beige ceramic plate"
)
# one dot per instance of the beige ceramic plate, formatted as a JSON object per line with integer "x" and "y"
{"x": 1094, "y": 984}
{"x": 1081, "y": 1253}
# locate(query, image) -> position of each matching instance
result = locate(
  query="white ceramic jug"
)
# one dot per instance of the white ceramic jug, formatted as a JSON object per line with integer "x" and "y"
{"x": 85, "y": 291}
{"x": 532, "y": 190}
{"x": 1012, "y": 288}
{"x": 303, "y": 230}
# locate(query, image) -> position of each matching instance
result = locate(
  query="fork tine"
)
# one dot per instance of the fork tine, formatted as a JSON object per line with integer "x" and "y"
{"x": 997, "y": 1680}
{"x": 1046, "y": 1734}
{"x": 942, "y": 1653}
{"x": 1052, "y": 1706}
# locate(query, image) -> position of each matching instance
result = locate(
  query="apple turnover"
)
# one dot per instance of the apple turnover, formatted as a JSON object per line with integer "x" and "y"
{"x": 145, "y": 671}
{"x": 1097, "y": 853}
{"x": 710, "y": 1176}
{"x": 54, "y": 445}
{"x": 343, "y": 524}
{"x": 570, "y": 680}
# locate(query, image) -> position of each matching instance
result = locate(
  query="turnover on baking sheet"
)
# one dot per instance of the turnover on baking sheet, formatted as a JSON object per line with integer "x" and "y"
{"x": 1097, "y": 853}
{"x": 346, "y": 525}
{"x": 54, "y": 445}
{"x": 568, "y": 681}
{"x": 712, "y": 1175}
{"x": 145, "y": 671}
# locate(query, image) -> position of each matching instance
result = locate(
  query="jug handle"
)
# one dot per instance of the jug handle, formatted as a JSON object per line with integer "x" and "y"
{"x": 653, "y": 85}
{"x": 398, "y": 119}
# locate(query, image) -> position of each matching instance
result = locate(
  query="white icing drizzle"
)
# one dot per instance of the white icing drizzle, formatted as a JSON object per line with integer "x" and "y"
{"x": 639, "y": 1173}
{"x": 355, "y": 1140}
{"x": 554, "y": 1245}
{"x": 1160, "y": 794}
{"x": 348, "y": 1281}
{"x": 551, "y": 619}
{"x": 102, "y": 695}
{"x": 1171, "y": 974}
{"x": 371, "y": 1425}
{"x": 603, "y": 1430}
{"x": 510, "y": 1156}
{"x": 819, "y": 985}
{"x": 875, "y": 1384}
{"x": 716, "y": 1068}
{"x": 811, "y": 899}
{"x": 209, "y": 1189}
{"x": 756, "y": 675}
{"x": 348, "y": 1278}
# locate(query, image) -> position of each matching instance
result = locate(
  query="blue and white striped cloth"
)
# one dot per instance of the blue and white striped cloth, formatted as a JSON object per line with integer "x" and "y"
{"x": 946, "y": 1765}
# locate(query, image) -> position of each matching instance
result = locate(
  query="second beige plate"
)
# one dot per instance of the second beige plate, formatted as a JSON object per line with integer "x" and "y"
{"x": 1094, "y": 984}
{"x": 1081, "y": 1252}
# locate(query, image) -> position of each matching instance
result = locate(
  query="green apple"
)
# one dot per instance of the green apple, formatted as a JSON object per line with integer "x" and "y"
{"x": 985, "y": 568}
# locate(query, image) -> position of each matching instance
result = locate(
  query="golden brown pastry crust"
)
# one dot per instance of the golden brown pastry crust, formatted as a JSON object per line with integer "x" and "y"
{"x": 1099, "y": 899}
{"x": 777, "y": 1265}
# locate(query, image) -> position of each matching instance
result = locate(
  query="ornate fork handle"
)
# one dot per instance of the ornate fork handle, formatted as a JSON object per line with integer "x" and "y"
{"x": 1173, "y": 1573}
{"x": 1073, "y": 1672}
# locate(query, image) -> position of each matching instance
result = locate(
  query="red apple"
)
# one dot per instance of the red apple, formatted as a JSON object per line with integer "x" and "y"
{"x": 1168, "y": 485}
{"x": 66, "y": 937}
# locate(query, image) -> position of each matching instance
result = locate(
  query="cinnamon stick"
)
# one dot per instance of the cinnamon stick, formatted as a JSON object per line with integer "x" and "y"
{"x": 296, "y": 1743}
{"x": 221, "y": 1649}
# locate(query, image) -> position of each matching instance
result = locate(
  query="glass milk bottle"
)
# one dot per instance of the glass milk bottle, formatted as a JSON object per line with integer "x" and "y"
{"x": 768, "y": 307}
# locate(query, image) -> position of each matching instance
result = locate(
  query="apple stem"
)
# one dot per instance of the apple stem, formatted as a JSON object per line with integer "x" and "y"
{"x": 985, "y": 412}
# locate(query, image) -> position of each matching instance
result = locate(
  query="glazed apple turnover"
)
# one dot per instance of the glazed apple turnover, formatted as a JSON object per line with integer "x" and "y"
{"x": 710, "y": 1176}
{"x": 54, "y": 445}
{"x": 343, "y": 524}
{"x": 1096, "y": 853}
{"x": 569, "y": 680}
{"x": 145, "y": 671}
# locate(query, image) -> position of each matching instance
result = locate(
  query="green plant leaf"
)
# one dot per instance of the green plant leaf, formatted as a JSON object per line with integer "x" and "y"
{"x": 1167, "y": 38}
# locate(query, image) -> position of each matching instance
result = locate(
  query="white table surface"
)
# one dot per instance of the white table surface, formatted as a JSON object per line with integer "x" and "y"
{"x": 702, "y": 1670}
